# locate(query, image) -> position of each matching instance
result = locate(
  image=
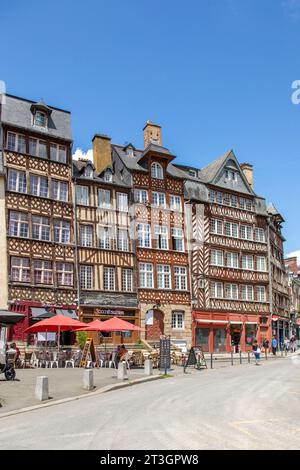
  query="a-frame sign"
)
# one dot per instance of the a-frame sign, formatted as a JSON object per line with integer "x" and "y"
{"x": 88, "y": 352}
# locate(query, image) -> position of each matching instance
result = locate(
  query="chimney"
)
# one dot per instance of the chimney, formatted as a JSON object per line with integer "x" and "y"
{"x": 152, "y": 134}
{"x": 101, "y": 152}
{"x": 248, "y": 172}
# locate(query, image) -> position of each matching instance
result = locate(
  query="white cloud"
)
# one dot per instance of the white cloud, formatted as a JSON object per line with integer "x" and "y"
{"x": 294, "y": 253}
{"x": 78, "y": 154}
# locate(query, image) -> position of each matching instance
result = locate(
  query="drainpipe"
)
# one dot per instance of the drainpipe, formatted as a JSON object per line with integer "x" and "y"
{"x": 270, "y": 275}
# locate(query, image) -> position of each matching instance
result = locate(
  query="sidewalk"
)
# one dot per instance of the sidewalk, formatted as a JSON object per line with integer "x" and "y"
{"x": 63, "y": 383}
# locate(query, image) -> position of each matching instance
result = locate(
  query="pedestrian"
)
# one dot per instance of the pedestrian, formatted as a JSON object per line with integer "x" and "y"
{"x": 274, "y": 345}
{"x": 266, "y": 344}
{"x": 256, "y": 352}
{"x": 286, "y": 344}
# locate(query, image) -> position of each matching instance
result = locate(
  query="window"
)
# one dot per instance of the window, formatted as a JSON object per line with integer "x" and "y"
{"x": 180, "y": 277}
{"x": 232, "y": 260}
{"x": 217, "y": 257}
{"x": 163, "y": 276}
{"x": 18, "y": 224}
{"x": 141, "y": 196}
{"x": 144, "y": 238}
{"x": 82, "y": 195}
{"x": 16, "y": 181}
{"x": 216, "y": 226}
{"x": 260, "y": 235}
{"x": 161, "y": 237}
{"x": 246, "y": 232}
{"x": 104, "y": 237}
{"x": 123, "y": 242}
{"x": 234, "y": 201}
{"x": 219, "y": 197}
{"x": 247, "y": 292}
{"x": 58, "y": 153}
{"x": 212, "y": 196}
{"x": 193, "y": 173}
{"x": 157, "y": 171}
{"x": 127, "y": 280}
{"x": 146, "y": 275}
{"x": 104, "y": 198}
{"x": 62, "y": 231}
{"x": 231, "y": 229}
{"x": 122, "y": 202}
{"x": 158, "y": 199}
{"x": 40, "y": 119}
{"x": 64, "y": 274}
{"x": 108, "y": 176}
{"x": 60, "y": 190}
{"x": 231, "y": 291}
{"x": 20, "y": 269}
{"x": 249, "y": 205}
{"x": 177, "y": 239}
{"x": 216, "y": 290}
{"x": 175, "y": 203}
{"x": 40, "y": 228}
{"x": 226, "y": 199}
{"x": 261, "y": 293}
{"x": 16, "y": 142}
{"x": 261, "y": 263}
{"x": 242, "y": 203}
{"x": 39, "y": 185}
{"x": 109, "y": 278}
{"x": 43, "y": 272}
{"x": 37, "y": 148}
{"x": 86, "y": 235}
{"x": 178, "y": 320}
{"x": 247, "y": 262}
{"x": 86, "y": 277}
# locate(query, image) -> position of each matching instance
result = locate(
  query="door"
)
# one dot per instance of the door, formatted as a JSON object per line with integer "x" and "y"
{"x": 202, "y": 338}
{"x": 155, "y": 327}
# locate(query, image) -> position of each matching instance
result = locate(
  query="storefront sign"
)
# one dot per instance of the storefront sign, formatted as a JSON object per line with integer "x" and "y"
{"x": 110, "y": 312}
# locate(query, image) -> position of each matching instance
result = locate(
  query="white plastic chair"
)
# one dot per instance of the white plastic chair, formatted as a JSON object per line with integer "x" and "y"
{"x": 126, "y": 360}
{"x": 54, "y": 361}
{"x": 34, "y": 360}
{"x": 113, "y": 361}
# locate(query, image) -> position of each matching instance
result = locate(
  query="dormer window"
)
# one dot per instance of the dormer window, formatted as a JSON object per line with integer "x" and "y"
{"x": 108, "y": 177}
{"x": 192, "y": 173}
{"x": 40, "y": 119}
{"x": 157, "y": 171}
{"x": 88, "y": 172}
{"x": 231, "y": 175}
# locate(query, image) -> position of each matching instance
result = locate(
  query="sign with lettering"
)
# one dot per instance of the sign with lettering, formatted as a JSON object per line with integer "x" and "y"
{"x": 89, "y": 353}
{"x": 116, "y": 313}
{"x": 165, "y": 353}
{"x": 196, "y": 358}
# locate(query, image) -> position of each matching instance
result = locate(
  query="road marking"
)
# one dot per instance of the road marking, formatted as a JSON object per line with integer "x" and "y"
{"x": 237, "y": 425}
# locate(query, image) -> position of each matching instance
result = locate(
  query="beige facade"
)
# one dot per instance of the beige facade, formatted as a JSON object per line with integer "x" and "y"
{"x": 3, "y": 248}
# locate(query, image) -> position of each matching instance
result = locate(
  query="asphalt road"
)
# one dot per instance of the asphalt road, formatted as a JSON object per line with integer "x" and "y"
{"x": 241, "y": 407}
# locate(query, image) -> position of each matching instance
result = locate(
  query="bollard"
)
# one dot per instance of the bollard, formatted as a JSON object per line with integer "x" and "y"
{"x": 231, "y": 358}
{"x": 211, "y": 361}
{"x": 148, "y": 367}
{"x": 88, "y": 379}
{"x": 41, "y": 388}
{"x": 240, "y": 357}
{"x": 266, "y": 355}
{"x": 122, "y": 371}
{"x": 248, "y": 357}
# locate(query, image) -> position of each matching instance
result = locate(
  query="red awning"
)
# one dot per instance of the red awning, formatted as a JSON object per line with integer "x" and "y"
{"x": 275, "y": 318}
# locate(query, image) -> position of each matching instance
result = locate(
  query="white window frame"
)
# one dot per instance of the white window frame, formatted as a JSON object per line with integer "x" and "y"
{"x": 86, "y": 276}
{"x": 41, "y": 114}
{"x": 60, "y": 190}
{"x": 123, "y": 240}
{"x": 144, "y": 235}
{"x": 246, "y": 232}
{"x": 86, "y": 235}
{"x": 260, "y": 235}
{"x": 217, "y": 258}
{"x": 247, "y": 293}
{"x": 180, "y": 278}
{"x": 261, "y": 294}
{"x": 233, "y": 229}
{"x": 146, "y": 275}
{"x": 37, "y": 185}
{"x": 141, "y": 196}
{"x": 122, "y": 202}
{"x": 157, "y": 171}
{"x": 45, "y": 270}
{"x": 82, "y": 195}
{"x": 164, "y": 276}
{"x": 216, "y": 226}
{"x": 234, "y": 260}
{"x": 261, "y": 264}
{"x": 109, "y": 278}
{"x": 248, "y": 262}
{"x": 41, "y": 229}
{"x": 177, "y": 239}
{"x": 177, "y": 322}
{"x": 105, "y": 238}
{"x": 18, "y": 139}
{"x": 18, "y": 178}
{"x": 39, "y": 144}
{"x": 61, "y": 231}
{"x": 104, "y": 198}
{"x": 161, "y": 237}
{"x": 231, "y": 291}
{"x": 18, "y": 224}
{"x": 64, "y": 274}
{"x": 216, "y": 290}
{"x": 126, "y": 280}
{"x": 19, "y": 269}
{"x": 60, "y": 154}
{"x": 158, "y": 199}
{"x": 175, "y": 202}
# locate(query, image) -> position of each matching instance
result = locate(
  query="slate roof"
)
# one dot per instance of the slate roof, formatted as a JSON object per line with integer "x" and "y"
{"x": 17, "y": 112}
{"x": 80, "y": 165}
{"x": 208, "y": 173}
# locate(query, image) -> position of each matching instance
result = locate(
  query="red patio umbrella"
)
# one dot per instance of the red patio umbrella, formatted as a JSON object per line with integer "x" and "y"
{"x": 117, "y": 324}
{"x": 55, "y": 324}
{"x": 95, "y": 325}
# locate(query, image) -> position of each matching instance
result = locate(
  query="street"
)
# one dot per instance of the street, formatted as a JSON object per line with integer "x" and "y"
{"x": 251, "y": 407}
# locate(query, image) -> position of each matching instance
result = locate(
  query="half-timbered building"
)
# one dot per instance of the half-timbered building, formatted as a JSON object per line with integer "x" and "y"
{"x": 37, "y": 243}
{"x": 107, "y": 284}
{"x": 228, "y": 250}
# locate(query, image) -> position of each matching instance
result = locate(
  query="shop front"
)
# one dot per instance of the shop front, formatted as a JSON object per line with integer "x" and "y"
{"x": 88, "y": 314}
{"x": 223, "y": 333}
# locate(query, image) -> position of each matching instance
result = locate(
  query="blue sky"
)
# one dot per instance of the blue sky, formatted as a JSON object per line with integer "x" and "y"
{"x": 216, "y": 74}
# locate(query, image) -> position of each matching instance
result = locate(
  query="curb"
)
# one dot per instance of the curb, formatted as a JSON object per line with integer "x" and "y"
{"x": 107, "y": 388}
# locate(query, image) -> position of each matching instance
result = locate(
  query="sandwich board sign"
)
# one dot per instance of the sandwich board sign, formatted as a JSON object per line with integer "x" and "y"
{"x": 165, "y": 353}
{"x": 88, "y": 352}
{"x": 195, "y": 358}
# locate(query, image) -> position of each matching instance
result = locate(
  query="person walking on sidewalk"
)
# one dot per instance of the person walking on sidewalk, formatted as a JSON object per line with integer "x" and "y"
{"x": 274, "y": 345}
{"x": 256, "y": 352}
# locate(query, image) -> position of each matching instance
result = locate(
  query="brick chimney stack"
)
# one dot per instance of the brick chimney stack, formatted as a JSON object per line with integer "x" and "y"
{"x": 101, "y": 152}
{"x": 248, "y": 172}
{"x": 152, "y": 134}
